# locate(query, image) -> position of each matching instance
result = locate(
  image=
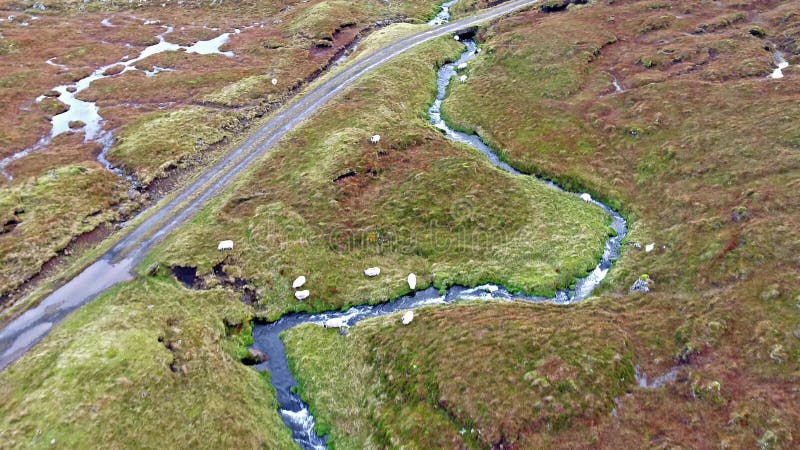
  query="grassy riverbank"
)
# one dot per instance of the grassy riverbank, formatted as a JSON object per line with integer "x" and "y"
{"x": 166, "y": 127}
{"x": 327, "y": 204}
{"x": 469, "y": 375}
{"x": 114, "y": 371}
{"x": 146, "y": 365}
{"x": 701, "y": 151}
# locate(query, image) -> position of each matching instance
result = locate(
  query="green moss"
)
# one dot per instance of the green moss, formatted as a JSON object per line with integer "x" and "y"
{"x": 144, "y": 365}
{"x": 160, "y": 141}
{"x": 44, "y": 224}
{"x": 407, "y": 208}
{"x": 360, "y": 386}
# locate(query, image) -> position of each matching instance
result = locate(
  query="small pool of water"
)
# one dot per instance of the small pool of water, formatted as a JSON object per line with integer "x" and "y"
{"x": 88, "y": 113}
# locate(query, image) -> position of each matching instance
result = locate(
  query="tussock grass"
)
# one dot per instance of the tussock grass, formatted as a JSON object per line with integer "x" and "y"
{"x": 415, "y": 203}
{"x": 699, "y": 152}
{"x": 177, "y": 120}
{"x": 148, "y": 364}
{"x": 474, "y": 375}
{"x": 37, "y": 223}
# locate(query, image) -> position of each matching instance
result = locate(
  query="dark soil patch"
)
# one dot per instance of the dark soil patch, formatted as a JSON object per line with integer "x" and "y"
{"x": 559, "y": 5}
{"x": 188, "y": 277}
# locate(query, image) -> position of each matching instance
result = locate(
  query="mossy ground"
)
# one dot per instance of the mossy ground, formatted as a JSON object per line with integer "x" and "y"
{"x": 36, "y": 221}
{"x": 326, "y": 203}
{"x": 700, "y": 151}
{"x": 470, "y": 375}
{"x": 417, "y": 203}
{"x": 148, "y": 364}
{"x": 171, "y": 125}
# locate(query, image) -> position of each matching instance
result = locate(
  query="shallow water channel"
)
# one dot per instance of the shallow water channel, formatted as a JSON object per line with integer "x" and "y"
{"x": 293, "y": 410}
{"x": 86, "y": 114}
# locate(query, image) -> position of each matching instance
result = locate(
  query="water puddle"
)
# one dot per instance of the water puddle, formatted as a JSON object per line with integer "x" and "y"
{"x": 267, "y": 335}
{"x": 87, "y": 114}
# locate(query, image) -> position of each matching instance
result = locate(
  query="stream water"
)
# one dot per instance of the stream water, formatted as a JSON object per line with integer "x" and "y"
{"x": 780, "y": 64}
{"x": 293, "y": 410}
{"x": 88, "y": 114}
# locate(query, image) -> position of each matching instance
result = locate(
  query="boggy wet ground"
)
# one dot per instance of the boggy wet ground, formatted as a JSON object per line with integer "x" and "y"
{"x": 197, "y": 88}
{"x": 267, "y": 337}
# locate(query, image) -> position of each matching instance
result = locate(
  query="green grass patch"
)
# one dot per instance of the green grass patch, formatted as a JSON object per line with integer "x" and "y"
{"x": 468, "y": 376}
{"x": 148, "y": 364}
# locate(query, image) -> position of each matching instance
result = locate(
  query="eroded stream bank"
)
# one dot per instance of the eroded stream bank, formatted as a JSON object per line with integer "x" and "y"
{"x": 293, "y": 410}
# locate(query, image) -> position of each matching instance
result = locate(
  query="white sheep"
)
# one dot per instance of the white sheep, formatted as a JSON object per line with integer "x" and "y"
{"x": 375, "y": 138}
{"x": 649, "y": 247}
{"x": 274, "y": 81}
{"x": 462, "y": 66}
{"x": 299, "y": 282}
{"x": 372, "y": 272}
{"x": 462, "y": 78}
{"x": 456, "y": 37}
{"x": 338, "y": 322}
{"x": 412, "y": 281}
{"x": 302, "y": 295}
{"x": 225, "y": 245}
{"x": 586, "y": 197}
{"x": 407, "y": 317}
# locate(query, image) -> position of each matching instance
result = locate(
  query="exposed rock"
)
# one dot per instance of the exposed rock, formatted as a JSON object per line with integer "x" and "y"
{"x": 641, "y": 285}
{"x": 254, "y": 356}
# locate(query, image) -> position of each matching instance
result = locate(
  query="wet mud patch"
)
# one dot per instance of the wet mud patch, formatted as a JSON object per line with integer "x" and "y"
{"x": 191, "y": 279}
{"x": 552, "y": 6}
{"x": 188, "y": 277}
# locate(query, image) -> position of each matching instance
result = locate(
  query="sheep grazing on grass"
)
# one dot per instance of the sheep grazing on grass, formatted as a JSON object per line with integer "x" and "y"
{"x": 407, "y": 317}
{"x": 375, "y": 138}
{"x": 302, "y": 295}
{"x": 372, "y": 272}
{"x": 649, "y": 247}
{"x": 225, "y": 245}
{"x": 412, "y": 281}
{"x": 337, "y": 322}
{"x": 456, "y": 38}
{"x": 462, "y": 66}
{"x": 586, "y": 197}
{"x": 462, "y": 78}
{"x": 274, "y": 81}
{"x": 299, "y": 282}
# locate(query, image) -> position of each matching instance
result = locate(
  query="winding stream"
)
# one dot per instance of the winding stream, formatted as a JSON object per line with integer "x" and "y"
{"x": 293, "y": 410}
